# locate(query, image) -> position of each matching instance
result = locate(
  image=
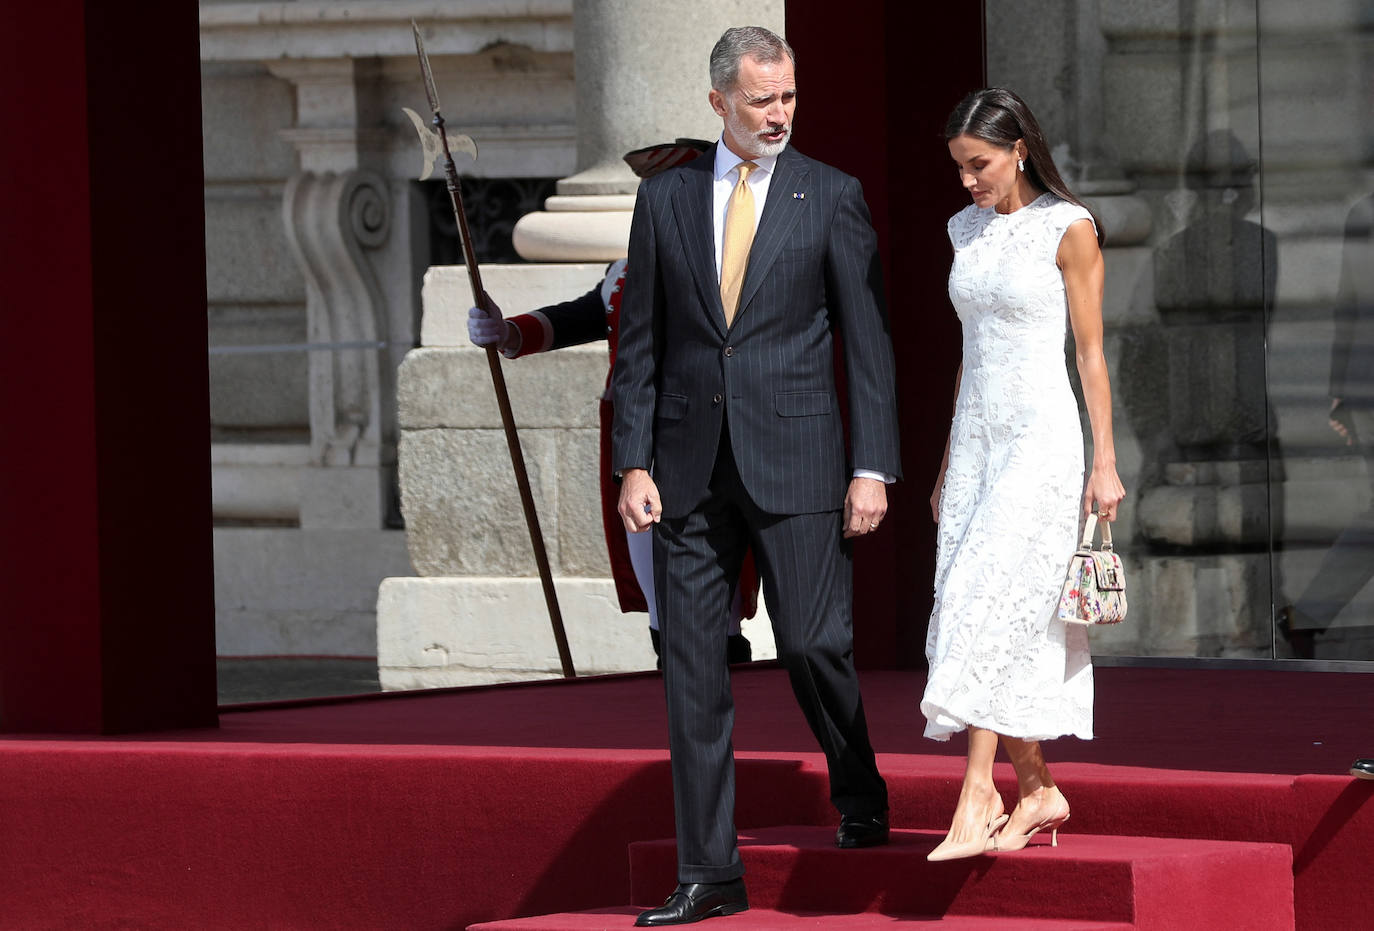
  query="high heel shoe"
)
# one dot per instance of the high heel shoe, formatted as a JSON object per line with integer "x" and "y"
{"x": 999, "y": 844}
{"x": 970, "y": 848}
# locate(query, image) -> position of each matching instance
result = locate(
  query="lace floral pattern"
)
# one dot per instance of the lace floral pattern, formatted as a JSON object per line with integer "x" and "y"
{"x": 999, "y": 657}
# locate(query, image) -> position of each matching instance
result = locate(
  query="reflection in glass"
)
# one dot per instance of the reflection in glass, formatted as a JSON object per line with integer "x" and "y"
{"x": 1223, "y": 142}
{"x": 1315, "y": 98}
{"x": 1346, "y": 568}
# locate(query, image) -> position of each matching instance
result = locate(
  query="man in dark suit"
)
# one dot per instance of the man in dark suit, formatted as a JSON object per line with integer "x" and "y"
{"x": 728, "y": 435}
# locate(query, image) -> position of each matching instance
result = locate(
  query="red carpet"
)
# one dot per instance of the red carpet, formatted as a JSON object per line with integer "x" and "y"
{"x": 1145, "y": 880}
{"x": 441, "y": 810}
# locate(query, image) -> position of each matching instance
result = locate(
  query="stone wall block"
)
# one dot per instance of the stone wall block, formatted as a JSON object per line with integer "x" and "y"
{"x": 1187, "y": 606}
{"x": 451, "y": 631}
{"x": 581, "y": 531}
{"x": 280, "y": 591}
{"x": 1127, "y": 219}
{"x": 451, "y": 388}
{"x": 258, "y": 389}
{"x": 250, "y": 257}
{"x": 462, "y": 505}
{"x": 242, "y": 108}
{"x": 1210, "y": 515}
{"x": 1169, "y": 515}
{"x": 342, "y": 496}
{"x": 1146, "y": 132}
{"x": 1168, "y": 623}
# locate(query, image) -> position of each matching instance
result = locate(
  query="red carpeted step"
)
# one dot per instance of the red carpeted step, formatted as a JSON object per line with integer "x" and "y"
{"x": 1146, "y": 882}
{"x": 761, "y": 919}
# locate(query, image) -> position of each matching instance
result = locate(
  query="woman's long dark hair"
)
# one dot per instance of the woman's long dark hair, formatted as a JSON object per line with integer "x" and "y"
{"x": 997, "y": 116}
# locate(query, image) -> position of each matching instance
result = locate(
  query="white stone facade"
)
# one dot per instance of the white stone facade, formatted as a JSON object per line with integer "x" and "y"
{"x": 316, "y": 237}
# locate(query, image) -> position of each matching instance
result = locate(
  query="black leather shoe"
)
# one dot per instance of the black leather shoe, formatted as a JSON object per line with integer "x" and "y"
{"x": 862, "y": 831}
{"x": 1363, "y": 769}
{"x": 694, "y": 901}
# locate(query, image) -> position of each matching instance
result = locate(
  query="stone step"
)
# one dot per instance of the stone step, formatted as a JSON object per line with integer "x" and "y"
{"x": 1143, "y": 882}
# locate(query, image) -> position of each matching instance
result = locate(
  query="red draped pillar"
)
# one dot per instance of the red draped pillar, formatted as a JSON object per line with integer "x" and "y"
{"x": 874, "y": 88}
{"x": 106, "y": 566}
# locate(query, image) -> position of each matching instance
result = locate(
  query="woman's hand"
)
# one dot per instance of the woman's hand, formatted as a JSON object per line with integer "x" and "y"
{"x": 1104, "y": 493}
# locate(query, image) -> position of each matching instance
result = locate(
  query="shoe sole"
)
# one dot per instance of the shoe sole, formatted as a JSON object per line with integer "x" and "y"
{"x": 859, "y": 844}
{"x": 720, "y": 911}
{"x": 726, "y": 910}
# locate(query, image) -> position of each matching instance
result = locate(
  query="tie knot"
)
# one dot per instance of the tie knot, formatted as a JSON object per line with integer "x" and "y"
{"x": 744, "y": 169}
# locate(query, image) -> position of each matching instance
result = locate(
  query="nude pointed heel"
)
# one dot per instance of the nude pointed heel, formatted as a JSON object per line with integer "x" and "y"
{"x": 1007, "y": 845}
{"x": 972, "y": 848}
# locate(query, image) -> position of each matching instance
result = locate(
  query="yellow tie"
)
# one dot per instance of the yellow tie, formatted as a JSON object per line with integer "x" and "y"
{"x": 737, "y": 238}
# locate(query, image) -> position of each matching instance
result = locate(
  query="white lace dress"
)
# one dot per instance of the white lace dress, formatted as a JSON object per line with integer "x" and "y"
{"x": 1009, "y": 510}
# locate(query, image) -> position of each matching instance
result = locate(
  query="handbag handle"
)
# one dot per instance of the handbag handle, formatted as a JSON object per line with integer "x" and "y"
{"x": 1089, "y": 526}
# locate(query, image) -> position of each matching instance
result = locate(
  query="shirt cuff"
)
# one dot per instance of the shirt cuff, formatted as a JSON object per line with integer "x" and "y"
{"x": 883, "y": 477}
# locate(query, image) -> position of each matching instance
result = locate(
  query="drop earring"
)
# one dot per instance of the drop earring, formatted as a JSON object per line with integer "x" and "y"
{"x": 1020, "y": 164}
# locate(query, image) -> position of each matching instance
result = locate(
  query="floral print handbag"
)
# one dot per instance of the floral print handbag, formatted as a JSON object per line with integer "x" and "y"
{"x": 1095, "y": 589}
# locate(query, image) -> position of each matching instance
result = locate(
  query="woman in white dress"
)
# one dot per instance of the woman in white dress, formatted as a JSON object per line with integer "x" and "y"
{"x": 1011, "y": 493}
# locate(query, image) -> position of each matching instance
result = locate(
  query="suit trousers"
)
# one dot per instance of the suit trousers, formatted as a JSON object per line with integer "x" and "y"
{"x": 807, "y": 573}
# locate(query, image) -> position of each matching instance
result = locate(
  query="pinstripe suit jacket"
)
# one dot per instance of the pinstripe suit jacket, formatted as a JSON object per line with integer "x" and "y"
{"x": 813, "y": 269}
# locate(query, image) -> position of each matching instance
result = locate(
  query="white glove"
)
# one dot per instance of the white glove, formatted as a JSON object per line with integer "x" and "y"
{"x": 489, "y": 329}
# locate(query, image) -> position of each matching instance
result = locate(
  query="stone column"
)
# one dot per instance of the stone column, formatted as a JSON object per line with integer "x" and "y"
{"x": 636, "y": 86}
{"x": 337, "y": 212}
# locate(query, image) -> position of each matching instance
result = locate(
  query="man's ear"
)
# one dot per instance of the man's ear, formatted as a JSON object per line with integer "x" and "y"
{"x": 717, "y": 100}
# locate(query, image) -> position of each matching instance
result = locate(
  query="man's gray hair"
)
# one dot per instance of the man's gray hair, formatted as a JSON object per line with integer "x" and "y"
{"x": 762, "y": 45}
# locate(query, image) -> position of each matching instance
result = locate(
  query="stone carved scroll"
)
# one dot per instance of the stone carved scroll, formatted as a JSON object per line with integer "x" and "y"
{"x": 332, "y": 221}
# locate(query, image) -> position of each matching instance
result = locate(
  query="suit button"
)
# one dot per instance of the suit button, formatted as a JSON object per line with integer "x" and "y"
{"x": 717, "y": 399}
{"x": 729, "y": 350}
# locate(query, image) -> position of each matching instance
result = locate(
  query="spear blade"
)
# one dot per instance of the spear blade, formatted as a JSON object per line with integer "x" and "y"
{"x": 431, "y": 91}
{"x": 429, "y": 143}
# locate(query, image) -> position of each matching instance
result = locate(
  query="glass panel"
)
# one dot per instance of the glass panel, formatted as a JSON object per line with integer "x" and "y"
{"x": 317, "y": 246}
{"x": 1152, "y": 110}
{"x": 1316, "y": 94}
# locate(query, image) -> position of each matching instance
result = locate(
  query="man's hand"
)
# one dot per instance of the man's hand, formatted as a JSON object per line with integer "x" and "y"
{"x": 639, "y": 505}
{"x": 489, "y": 330}
{"x": 864, "y": 506}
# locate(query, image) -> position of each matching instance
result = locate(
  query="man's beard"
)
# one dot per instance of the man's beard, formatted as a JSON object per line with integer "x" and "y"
{"x": 761, "y": 147}
{"x": 770, "y": 149}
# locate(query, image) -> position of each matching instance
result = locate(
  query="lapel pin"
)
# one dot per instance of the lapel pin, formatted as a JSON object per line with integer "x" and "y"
{"x": 799, "y": 195}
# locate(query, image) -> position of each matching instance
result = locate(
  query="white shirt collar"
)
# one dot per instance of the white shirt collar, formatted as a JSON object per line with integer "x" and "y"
{"x": 726, "y": 160}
